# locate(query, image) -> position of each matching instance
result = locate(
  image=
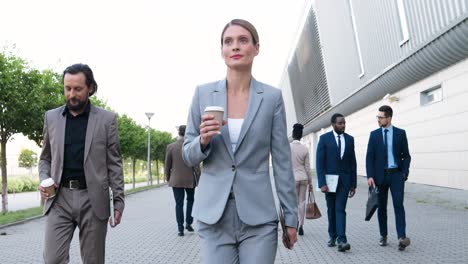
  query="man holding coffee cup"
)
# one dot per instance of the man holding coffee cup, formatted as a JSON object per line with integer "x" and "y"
{"x": 80, "y": 160}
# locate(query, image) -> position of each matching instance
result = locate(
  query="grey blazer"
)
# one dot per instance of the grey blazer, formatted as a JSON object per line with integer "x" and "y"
{"x": 300, "y": 162}
{"x": 102, "y": 161}
{"x": 246, "y": 169}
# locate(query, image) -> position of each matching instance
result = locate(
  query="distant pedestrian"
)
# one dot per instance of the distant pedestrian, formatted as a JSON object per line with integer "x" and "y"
{"x": 302, "y": 173}
{"x": 336, "y": 158}
{"x": 183, "y": 181}
{"x": 387, "y": 165}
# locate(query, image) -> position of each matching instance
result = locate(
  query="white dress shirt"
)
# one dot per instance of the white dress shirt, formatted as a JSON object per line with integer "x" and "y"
{"x": 342, "y": 143}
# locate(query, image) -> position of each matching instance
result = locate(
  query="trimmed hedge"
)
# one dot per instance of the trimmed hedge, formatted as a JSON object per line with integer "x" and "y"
{"x": 129, "y": 179}
{"x": 22, "y": 184}
{"x": 25, "y": 184}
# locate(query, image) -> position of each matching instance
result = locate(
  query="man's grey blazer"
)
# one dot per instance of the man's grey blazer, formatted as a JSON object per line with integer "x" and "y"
{"x": 102, "y": 161}
{"x": 246, "y": 169}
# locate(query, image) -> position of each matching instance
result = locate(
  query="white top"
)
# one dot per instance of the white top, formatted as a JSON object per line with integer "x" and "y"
{"x": 234, "y": 125}
{"x": 342, "y": 143}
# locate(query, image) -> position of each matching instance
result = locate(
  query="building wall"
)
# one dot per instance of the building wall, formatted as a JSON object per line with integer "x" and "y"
{"x": 377, "y": 30}
{"x": 288, "y": 97}
{"x": 437, "y": 133}
{"x": 367, "y": 51}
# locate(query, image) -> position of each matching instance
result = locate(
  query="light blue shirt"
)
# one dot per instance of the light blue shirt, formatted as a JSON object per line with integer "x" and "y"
{"x": 391, "y": 159}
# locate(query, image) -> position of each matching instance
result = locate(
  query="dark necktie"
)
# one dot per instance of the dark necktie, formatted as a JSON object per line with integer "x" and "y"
{"x": 386, "y": 148}
{"x": 339, "y": 147}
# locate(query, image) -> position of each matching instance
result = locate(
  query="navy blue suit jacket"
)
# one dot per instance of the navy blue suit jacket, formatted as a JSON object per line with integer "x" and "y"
{"x": 329, "y": 162}
{"x": 375, "y": 158}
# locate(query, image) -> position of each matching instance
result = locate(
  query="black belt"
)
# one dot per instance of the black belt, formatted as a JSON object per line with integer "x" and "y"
{"x": 74, "y": 184}
{"x": 231, "y": 196}
{"x": 391, "y": 170}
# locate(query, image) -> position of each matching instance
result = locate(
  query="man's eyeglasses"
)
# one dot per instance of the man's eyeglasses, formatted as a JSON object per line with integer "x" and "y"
{"x": 381, "y": 117}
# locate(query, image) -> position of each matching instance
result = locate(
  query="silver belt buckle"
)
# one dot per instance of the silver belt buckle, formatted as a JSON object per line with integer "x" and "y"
{"x": 71, "y": 184}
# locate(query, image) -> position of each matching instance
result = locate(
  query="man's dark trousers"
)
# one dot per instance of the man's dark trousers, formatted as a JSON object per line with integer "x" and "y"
{"x": 336, "y": 206}
{"x": 396, "y": 183}
{"x": 179, "y": 194}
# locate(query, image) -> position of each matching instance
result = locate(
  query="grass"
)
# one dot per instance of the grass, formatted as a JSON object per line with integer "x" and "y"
{"x": 16, "y": 216}
{"x": 142, "y": 188}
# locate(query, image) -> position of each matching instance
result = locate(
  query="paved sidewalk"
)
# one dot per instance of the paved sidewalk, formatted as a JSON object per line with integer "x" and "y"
{"x": 437, "y": 223}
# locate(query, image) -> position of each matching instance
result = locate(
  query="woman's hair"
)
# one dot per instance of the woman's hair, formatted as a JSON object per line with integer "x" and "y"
{"x": 297, "y": 131}
{"x": 182, "y": 130}
{"x": 246, "y": 25}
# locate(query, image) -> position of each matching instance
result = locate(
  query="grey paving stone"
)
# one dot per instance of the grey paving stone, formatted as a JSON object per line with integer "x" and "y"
{"x": 437, "y": 223}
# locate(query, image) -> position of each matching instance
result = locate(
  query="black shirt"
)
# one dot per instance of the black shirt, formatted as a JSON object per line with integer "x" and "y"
{"x": 75, "y": 137}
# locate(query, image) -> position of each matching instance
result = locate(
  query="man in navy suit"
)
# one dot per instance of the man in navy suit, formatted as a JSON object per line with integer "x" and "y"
{"x": 387, "y": 164}
{"x": 335, "y": 156}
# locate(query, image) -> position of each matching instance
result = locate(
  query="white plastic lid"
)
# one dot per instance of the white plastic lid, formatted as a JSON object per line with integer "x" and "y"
{"x": 214, "y": 108}
{"x": 47, "y": 182}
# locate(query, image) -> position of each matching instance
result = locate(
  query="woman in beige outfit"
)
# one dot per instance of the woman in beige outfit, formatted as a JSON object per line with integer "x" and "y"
{"x": 302, "y": 173}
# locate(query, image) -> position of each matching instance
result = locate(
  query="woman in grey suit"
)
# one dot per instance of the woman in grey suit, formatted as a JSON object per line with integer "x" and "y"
{"x": 235, "y": 208}
{"x": 302, "y": 174}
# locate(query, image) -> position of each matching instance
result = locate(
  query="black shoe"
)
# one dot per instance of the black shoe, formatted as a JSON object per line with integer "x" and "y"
{"x": 383, "y": 241}
{"x": 301, "y": 231}
{"x": 181, "y": 233}
{"x": 189, "y": 228}
{"x": 403, "y": 243}
{"x": 331, "y": 243}
{"x": 342, "y": 247}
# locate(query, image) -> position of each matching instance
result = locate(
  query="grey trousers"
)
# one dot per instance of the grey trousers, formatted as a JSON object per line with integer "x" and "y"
{"x": 72, "y": 209}
{"x": 230, "y": 241}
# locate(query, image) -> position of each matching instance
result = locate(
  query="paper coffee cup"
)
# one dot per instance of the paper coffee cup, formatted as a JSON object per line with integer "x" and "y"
{"x": 48, "y": 185}
{"x": 217, "y": 112}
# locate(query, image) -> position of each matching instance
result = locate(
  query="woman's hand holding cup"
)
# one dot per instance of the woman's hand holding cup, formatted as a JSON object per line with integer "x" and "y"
{"x": 211, "y": 124}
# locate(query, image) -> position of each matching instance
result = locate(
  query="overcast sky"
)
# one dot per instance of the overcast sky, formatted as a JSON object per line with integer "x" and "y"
{"x": 148, "y": 56}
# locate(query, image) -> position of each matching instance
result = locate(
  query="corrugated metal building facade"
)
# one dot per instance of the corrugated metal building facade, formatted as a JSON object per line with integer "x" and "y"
{"x": 353, "y": 56}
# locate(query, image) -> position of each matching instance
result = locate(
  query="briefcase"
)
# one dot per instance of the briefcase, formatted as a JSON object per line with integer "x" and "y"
{"x": 312, "y": 210}
{"x": 372, "y": 202}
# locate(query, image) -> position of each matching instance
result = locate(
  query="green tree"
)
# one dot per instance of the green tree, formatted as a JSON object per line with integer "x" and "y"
{"x": 101, "y": 103}
{"x": 25, "y": 94}
{"x": 159, "y": 142}
{"x": 46, "y": 93}
{"x": 132, "y": 138}
{"x": 27, "y": 159}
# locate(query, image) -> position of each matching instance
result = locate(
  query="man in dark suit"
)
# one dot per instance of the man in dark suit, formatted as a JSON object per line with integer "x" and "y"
{"x": 387, "y": 164}
{"x": 335, "y": 156}
{"x": 182, "y": 180}
{"x": 81, "y": 154}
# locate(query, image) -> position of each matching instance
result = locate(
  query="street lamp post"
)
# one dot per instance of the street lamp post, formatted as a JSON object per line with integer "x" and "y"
{"x": 133, "y": 173}
{"x": 149, "y": 115}
{"x": 33, "y": 164}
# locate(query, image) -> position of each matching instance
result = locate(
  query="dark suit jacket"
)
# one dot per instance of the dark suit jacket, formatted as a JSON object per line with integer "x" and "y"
{"x": 329, "y": 161}
{"x": 177, "y": 173}
{"x": 375, "y": 158}
{"x": 102, "y": 161}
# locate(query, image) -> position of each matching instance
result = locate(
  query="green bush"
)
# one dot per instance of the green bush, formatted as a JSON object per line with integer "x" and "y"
{"x": 15, "y": 185}
{"x": 129, "y": 179}
{"x": 30, "y": 185}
